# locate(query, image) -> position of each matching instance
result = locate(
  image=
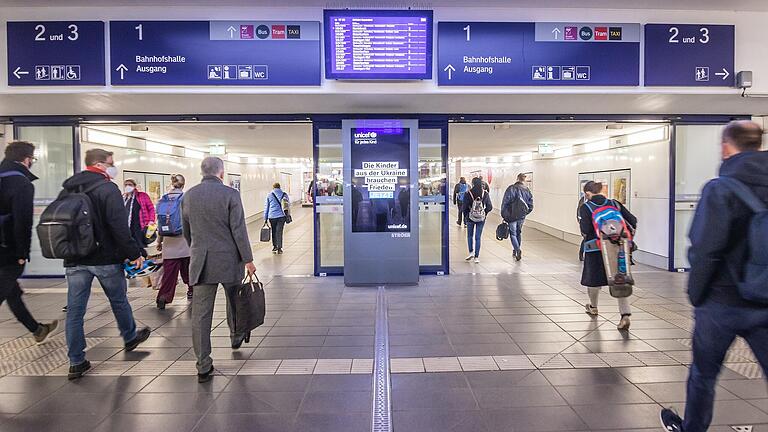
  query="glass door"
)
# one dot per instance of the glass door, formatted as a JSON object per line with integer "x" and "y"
{"x": 328, "y": 199}
{"x": 54, "y": 149}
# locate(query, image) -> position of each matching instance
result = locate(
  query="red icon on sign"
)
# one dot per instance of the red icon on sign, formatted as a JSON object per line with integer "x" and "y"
{"x": 278, "y": 32}
{"x": 601, "y": 33}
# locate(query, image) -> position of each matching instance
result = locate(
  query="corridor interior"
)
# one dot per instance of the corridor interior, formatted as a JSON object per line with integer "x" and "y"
{"x": 495, "y": 346}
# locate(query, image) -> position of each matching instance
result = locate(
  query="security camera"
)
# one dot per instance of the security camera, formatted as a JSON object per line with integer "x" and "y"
{"x": 744, "y": 80}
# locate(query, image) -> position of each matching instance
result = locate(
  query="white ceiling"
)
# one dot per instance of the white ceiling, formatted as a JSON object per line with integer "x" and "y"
{"x": 280, "y": 140}
{"x": 498, "y": 139}
{"x": 294, "y": 140}
{"x": 741, "y": 5}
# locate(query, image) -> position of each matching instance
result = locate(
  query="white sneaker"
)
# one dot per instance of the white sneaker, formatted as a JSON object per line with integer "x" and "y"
{"x": 624, "y": 323}
{"x": 591, "y": 310}
{"x": 469, "y": 258}
{"x": 477, "y": 260}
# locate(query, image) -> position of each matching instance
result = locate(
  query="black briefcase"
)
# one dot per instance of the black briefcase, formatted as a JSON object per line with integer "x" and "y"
{"x": 265, "y": 235}
{"x": 250, "y": 306}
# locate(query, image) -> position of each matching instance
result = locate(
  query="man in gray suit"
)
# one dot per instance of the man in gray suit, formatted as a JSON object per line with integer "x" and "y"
{"x": 214, "y": 226}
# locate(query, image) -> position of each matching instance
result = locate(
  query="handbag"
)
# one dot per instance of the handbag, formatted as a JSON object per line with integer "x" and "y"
{"x": 265, "y": 235}
{"x": 288, "y": 217}
{"x": 284, "y": 207}
{"x": 250, "y": 305}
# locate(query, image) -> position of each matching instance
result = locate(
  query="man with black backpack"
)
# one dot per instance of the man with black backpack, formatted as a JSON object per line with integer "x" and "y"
{"x": 16, "y": 205}
{"x": 516, "y": 205}
{"x": 728, "y": 281}
{"x": 111, "y": 245}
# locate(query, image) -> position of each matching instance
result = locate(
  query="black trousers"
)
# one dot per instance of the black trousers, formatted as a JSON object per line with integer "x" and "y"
{"x": 461, "y": 214}
{"x": 277, "y": 224}
{"x": 10, "y": 291}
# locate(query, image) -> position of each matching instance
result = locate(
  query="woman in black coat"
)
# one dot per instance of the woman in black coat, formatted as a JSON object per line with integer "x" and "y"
{"x": 593, "y": 274}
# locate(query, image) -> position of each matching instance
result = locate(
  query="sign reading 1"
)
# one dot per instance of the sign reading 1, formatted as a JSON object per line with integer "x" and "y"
{"x": 700, "y": 55}
{"x": 55, "y": 53}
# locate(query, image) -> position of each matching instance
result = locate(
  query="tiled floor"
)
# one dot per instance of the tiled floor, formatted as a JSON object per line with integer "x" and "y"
{"x": 495, "y": 346}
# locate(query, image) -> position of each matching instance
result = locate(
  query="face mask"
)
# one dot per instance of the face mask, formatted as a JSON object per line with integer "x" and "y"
{"x": 112, "y": 172}
{"x": 128, "y": 189}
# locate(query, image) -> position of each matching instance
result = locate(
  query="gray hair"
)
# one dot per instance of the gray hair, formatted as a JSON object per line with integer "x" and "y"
{"x": 212, "y": 166}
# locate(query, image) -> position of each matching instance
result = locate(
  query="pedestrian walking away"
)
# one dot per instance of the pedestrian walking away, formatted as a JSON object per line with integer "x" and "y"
{"x": 477, "y": 205}
{"x": 113, "y": 246}
{"x": 16, "y": 208}
{"x": 727, "y": 279}
{"x": 277, "y": 213}
{"x": 516, "y": 205}
{"x": 459, "y": 192}
{"x": 593, "y": 273}
{"x": 220, "y": 253}
{"x": 172, "y": 244}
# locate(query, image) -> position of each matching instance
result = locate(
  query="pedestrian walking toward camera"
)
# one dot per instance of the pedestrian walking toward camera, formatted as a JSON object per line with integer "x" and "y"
{"x": 729, "y": 275}
{"x": 16, "y": 208}
{"x": 593, "y": 274}
{"x": 477, "y": 205}
{"x": 214, "y": 227}
{"x": 277, "y": 212}
{"x": 110, "y": 246}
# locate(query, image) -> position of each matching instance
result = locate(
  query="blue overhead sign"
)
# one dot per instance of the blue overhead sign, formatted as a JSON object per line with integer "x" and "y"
{"x": 538, "y": 54}
{"x": 214, "y": 53}
{"x": 56, "y": 53}
{"x": 700, "y": 55}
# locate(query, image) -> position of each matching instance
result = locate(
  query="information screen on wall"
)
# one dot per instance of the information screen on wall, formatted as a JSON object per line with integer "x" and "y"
{"x": 693, "y": 55}
{"x": 215, "y": 53}
{"x": 378, "y": 44}
{"x": 56, "y": 53}
{"x": 538, "y": 54}
{"x": 381, "y": 199}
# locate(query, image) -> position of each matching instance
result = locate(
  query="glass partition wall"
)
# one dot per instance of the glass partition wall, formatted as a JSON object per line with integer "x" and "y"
{"x": 329, "y": 201}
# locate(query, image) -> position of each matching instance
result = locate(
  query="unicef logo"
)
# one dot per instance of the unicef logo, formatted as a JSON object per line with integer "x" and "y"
{"x": 374, "y": 134}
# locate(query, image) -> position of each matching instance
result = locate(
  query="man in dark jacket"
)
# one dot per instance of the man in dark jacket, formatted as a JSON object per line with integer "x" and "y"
{"x": 459, "y": 192}
{"x": 16, "y": 202}
{"x": 517, "y": 191}
{"x": 115, "y": 247}
{"x": 719, "y": 246}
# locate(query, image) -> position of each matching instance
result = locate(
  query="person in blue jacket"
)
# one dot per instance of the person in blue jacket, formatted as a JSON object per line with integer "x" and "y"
{"x": 514, "y": 192}
{"x": 719, "y": 250}
{"x": 275, "y": 212}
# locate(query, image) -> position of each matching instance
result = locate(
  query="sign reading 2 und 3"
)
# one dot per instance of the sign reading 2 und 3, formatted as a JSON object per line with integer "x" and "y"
{"x": 700, "y": 55}
{"x": 56, "y": 53}
{"x": 538, "y": 54}
{"x": 380, "y": 191}
{"x": 210, "y": 53}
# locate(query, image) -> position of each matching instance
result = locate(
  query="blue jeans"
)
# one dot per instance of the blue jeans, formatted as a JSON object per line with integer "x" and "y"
{"x": 717, "y": 325}
{"x": 516, "y": 233}
{"x": 115, "y": 286}
{"x": 477, "y": 229}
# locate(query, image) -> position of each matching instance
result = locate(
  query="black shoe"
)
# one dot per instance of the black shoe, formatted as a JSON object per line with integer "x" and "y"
{"x": 205, "y": 377}
{"x": 189, "y": 294}
{"x": 280, "y": 251}
{"x": 274, "y": 248}
{"x": 518, "y": 255}
{"x": 64, "y": 309}
{"x": 670, "y": 421}
{"x": 458, "y": 223}
{"x": 141, "y": 337}
{"x": 45, "y": 330}
{"x": 245, "y": 339}
{"x": 161, "y": 304}
{"x": 78, "y": 371}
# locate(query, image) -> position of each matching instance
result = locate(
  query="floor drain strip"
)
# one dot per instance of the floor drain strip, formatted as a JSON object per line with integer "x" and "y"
{"x": 382, "y": 401}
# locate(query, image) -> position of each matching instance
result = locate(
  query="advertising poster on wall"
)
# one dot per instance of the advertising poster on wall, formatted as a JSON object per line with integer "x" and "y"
{"x": 381, "y": 178}
{"x": 234, "y": 181}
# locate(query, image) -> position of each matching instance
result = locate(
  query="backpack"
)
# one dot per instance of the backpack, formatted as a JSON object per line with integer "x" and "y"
{"x": 502, "y": 231}
{"x": 515, "y": 209}
{"x": 752, "y": 282}
{"x": 477, "y": 211}
{"x": 5, "y": 219}
{"x": 608, "y": 222}
{"x": 463, "y": 188}
{"x": 169, "y": 215}
{"x": 66, "y": 228}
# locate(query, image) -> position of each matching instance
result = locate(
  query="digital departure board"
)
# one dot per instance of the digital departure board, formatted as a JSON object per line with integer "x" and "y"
{"x": 378, "y": 45}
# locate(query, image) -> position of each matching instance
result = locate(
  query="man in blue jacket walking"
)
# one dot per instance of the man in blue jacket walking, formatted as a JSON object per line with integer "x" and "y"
{"x": 516, "y": 205}
{"x": 719, "y": 249}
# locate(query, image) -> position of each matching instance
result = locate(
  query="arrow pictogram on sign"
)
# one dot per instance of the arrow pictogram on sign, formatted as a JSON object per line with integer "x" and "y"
{"x": 122, "y": 70}
{"x": 723, "y": 74}
{"x": 450, "y": 69}
{"x": 18, "y": 72}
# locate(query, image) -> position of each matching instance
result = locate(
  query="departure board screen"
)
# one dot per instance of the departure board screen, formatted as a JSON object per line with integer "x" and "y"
{"x": 378, "y": 45}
